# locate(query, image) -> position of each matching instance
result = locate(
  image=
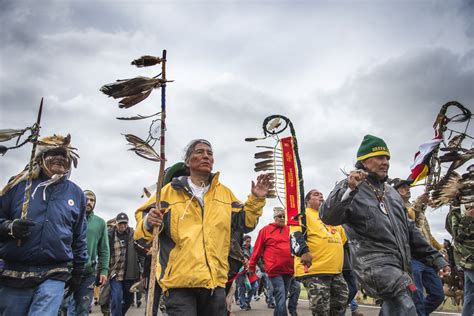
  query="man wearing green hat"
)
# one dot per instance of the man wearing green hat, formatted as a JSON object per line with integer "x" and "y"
{"x": 381, "y": 238}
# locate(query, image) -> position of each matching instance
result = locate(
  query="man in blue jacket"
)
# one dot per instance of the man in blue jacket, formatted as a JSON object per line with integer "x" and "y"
{"x": 38, "y": 248}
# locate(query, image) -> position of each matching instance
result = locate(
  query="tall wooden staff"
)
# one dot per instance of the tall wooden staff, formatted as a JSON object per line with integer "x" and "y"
{"x": 156, "y": 244}
{"x": 132, "y": 92}
{"x": 29, "y": 182}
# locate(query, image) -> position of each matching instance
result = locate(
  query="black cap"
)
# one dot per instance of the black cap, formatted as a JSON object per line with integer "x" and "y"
{"x": 121, "y": 218}
{"x": 397, "y": 182}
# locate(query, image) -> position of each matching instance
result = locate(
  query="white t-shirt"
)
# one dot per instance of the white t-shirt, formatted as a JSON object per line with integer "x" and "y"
{"x": 198, "y": 191}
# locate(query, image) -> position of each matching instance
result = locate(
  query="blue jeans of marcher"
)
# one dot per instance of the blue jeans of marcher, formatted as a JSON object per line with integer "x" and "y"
{"x": 268, "y": 288}
{"x": 41, "y": 300}
{"x": 468, "y": 309}
{"x": 427, "y": 278}
{"x": 281, "y": 285}
{"x": 121, "y": 298}
{"x": 399, "y": 305}
{"x": 83, "y": 295}
{"x": 293, "y": 295}
{"x": 241, "y": 290}
{"x": 351, "y": 281}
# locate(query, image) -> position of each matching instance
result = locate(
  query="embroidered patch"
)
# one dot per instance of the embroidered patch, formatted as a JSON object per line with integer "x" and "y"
{"x": 70, "y": 202}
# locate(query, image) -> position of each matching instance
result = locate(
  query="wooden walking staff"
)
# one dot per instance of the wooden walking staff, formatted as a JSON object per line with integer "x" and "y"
{"x": 156, "y": 244}
{"x": 131, "y": 92}
{"x": 29, "y": 182}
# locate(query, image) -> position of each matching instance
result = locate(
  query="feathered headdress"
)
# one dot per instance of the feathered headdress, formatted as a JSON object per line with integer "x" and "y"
{"x": 46, "y": 144}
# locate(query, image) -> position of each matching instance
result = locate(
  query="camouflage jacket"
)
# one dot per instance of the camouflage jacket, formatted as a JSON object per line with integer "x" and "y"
{"x": 462, "y": 230}
{"x": 416, "y": 212}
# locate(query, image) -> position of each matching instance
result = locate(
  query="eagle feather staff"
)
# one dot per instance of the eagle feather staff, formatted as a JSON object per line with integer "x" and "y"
{"x": 131, "y": 92}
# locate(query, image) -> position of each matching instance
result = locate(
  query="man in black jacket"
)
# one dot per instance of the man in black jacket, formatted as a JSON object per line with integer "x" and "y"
{"x": 124, "y": 265}
{"x": 381, "y": 238}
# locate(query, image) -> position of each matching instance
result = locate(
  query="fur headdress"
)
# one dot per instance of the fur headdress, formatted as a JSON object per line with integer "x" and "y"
{"x": 45, "y": 144}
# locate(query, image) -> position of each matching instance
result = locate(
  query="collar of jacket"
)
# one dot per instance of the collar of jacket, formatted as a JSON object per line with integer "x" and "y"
{"x": 276, "y": 227}
{"x": 375, "y": 180}
{"x": 181, "y": 183}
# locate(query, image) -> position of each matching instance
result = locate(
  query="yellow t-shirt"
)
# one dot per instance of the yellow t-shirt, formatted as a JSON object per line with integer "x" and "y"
{"x": 326, "y": 244}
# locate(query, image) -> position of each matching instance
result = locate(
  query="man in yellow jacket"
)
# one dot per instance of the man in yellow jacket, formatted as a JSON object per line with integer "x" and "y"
{"x": 196, "y": 217}
{"x": 323, "y": 254}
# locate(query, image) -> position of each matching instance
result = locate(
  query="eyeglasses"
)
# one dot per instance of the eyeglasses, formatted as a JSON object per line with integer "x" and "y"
{"x": 279, "y": 216}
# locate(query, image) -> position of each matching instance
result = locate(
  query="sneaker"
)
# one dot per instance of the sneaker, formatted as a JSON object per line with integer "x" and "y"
{"x": 248, "y": 307}
{"x": 271, "y": 305}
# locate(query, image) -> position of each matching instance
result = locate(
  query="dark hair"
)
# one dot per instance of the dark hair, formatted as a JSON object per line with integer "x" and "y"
{"x": 247, "y": 237}
{"x": 359, "y": 165}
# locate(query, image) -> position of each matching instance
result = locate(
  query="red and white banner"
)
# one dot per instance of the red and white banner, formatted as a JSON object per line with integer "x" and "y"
{"x": 290, "y": 170}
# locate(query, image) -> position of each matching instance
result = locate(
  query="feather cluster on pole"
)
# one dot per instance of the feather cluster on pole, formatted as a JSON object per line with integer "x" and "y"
{"x": 146, "y": 61}
{"x": 142, "y": 148}
{"x": 131, "y": 91}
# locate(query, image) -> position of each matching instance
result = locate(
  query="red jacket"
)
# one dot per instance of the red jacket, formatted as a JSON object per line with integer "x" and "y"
{"x": 273, "y": 242}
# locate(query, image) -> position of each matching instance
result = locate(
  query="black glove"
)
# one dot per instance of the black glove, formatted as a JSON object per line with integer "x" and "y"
{"x": 74, "y": 283}
{"x": 18, "y": 228}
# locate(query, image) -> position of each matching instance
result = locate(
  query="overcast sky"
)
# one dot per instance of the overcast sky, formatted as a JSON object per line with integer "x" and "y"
{"x": 337, "y": 69}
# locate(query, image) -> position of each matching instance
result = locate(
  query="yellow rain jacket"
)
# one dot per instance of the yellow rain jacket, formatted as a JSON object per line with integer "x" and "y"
{"x": 195, "y": 240}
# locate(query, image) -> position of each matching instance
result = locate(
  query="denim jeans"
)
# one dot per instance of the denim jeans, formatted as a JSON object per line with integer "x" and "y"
{"x": 468, "y": 308}
{"x": 281, "y": 285}
{"x": 399, "y": 305}
{"x": 241, "y": 290}
{"x": 427, "y": 278}
{"x": 351, "y": 281}
{"x": 268, "y": 288}
{"x": 41, "y": 300}
{"x": 83, "y": 295}
{"x": 294, "y": 295}
{"x": 120, "y": 291}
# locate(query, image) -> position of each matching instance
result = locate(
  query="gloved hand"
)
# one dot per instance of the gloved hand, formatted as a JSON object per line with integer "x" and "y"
{"x": 74, "y": 283}
{"x": 18, "y": 228}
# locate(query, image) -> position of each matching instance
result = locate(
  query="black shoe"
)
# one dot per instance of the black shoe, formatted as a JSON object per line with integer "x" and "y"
{"x": 271, "y": 305}
{"x": 294, "y": 313}
{"x": 247, "y": 308}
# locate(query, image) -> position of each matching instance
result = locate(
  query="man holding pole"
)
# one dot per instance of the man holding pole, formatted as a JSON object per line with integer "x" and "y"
{"x": 38, "y": 248}
{"x": 196, "y": 217}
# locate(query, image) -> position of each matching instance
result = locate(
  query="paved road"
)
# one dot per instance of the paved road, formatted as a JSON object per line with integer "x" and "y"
{"x": 260, "y": 309}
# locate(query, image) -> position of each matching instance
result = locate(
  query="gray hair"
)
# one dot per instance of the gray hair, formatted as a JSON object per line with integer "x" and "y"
{"x": 192, "y": 144}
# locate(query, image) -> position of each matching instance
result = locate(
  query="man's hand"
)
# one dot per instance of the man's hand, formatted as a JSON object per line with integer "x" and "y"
{"x": 355, "y": 178}
{"x": 307, "y": 259}
{"x": 102, "y": 280}
{"x": 444, "y": 272}
{"x": 260, "y": 189}
{"x": 20, "y": 228}
{"x": 155, "y": 217}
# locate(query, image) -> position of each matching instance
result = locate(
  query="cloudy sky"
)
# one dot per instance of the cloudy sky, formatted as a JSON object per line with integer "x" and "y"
{"x": 337, "y": 69}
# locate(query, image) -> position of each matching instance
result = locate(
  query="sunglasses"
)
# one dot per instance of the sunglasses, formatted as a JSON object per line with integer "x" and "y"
{"x": 279, "y": 216}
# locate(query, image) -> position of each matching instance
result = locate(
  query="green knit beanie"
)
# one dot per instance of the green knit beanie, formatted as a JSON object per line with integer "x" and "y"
{"x": 372, "y": 146}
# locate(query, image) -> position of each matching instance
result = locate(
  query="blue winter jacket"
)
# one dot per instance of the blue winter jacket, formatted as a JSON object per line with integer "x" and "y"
{"x": 59, "y": 236}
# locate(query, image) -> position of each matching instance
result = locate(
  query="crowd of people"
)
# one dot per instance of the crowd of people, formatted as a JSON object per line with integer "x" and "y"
{"x": 366, "y": 235}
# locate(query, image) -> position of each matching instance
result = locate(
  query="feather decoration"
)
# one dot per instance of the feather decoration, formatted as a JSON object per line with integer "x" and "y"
{"x": 146, "y": 61}
{"x": 134, "y": 99}
{"x": 133, "y": 91}
{"x": 446, "y": 190}
{"x": 264, "y": 163}
{"x": 137, "y": 117}
{"x": 7, "y": 134}
{"x": 264, "y": 154}
{"x": 141, "y": 148}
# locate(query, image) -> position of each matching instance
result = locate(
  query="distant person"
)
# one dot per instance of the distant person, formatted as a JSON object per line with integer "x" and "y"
{"x": 273, "y": 243}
